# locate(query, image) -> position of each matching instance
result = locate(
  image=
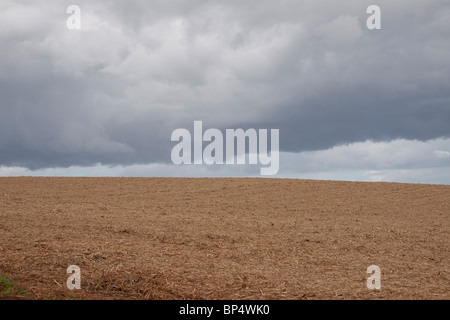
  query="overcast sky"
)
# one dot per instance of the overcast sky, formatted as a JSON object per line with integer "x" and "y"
{"x": 350, "y": 103}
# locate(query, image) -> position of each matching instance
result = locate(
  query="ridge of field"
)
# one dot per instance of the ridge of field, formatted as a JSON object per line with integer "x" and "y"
{"x": 224, "y": 238}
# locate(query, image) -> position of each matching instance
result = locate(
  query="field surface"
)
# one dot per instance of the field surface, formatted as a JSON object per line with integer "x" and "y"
{"x": 176, "y": 238}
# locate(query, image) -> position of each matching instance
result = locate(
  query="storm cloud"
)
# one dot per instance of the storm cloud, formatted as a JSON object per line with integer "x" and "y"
{"x": 112, "y": 92}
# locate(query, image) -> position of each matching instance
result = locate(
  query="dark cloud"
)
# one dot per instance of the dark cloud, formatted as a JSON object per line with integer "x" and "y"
{"x": 113, "y": 92}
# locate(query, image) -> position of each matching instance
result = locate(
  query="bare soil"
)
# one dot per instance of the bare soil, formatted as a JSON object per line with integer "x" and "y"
{"x": 227, "y": 238}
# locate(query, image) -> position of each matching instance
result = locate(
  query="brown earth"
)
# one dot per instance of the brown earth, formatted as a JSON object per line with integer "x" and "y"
{"x": 175, "y": 238}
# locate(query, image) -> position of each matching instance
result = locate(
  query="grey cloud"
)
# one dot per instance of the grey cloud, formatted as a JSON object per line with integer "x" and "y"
{"x": 113, "y": 92}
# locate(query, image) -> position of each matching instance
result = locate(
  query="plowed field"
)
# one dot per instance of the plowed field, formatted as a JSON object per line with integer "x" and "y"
{"x": 177, "y": 238}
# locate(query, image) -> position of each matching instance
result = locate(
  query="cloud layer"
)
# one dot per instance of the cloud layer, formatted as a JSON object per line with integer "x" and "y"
{"x": 112, "y": 92}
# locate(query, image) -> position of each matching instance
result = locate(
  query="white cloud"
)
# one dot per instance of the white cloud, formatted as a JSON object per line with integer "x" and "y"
{"x": 396, "y": 161}
{"x": 442, "y": 154}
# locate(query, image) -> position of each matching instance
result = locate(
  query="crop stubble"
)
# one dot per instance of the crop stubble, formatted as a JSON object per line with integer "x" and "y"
{"x": 225, "y": 238}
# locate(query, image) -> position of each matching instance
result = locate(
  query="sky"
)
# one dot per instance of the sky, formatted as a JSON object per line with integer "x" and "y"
{"x": 350, "y": 103}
